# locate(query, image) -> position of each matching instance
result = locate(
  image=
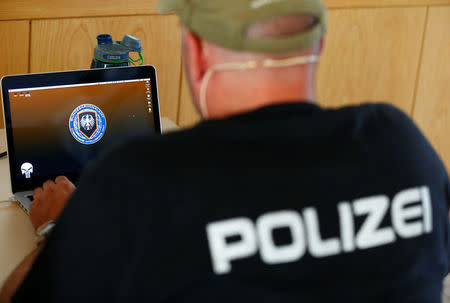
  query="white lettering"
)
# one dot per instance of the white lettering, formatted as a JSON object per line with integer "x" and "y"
{"x": 411, "y": 215}
{"x": 222, "y": 253}
{"x": 318, "y": 247}
{"x": 347, "y": 226}
{"x": 401, "y": 213}
{"x": 369, "y": 235}
{"x": 272, "y": 254}
{"x": 427, "y": 209}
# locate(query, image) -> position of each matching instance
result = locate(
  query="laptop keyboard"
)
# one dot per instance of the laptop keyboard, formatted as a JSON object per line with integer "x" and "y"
{"x": 30, "y": 197}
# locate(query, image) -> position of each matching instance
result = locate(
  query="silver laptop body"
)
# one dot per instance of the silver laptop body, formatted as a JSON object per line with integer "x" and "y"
{"x": 57, "y": 122}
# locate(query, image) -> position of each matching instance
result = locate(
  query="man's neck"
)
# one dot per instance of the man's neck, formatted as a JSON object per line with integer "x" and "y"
{"x": 265, "y": 95}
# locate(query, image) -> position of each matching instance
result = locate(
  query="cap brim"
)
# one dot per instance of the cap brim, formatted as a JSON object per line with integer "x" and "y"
{"x": 167, "y": 6}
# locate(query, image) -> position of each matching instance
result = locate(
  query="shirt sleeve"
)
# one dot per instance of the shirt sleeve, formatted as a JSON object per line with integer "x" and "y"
{"x": 410, "y": 140}
{"x": 420, "y": 163}
{"x": 448, "y": 193}
{"x": 448, "y": 230}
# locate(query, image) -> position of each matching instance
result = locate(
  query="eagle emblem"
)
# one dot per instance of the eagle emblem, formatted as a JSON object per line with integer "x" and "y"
{"x": 87, "y": 124}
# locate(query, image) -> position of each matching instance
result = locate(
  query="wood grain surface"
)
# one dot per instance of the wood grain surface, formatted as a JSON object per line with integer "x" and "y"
{"x": 17, "y": 238}
{"x": 44, "y": 9}
{"x": 371, "y": 55}
{"x": 49, "y": 9}
{"x": 14, "y": 50}
{"x": 188, "y": 115}
{"x": 382, "y": 3}
{"x": 68, "y": 44}
{"x": 432, "y": 110}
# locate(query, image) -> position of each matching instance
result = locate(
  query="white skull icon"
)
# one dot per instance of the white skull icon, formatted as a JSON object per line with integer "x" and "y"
{"x": 87, "y": 122}
{"x": 27, "y": 170}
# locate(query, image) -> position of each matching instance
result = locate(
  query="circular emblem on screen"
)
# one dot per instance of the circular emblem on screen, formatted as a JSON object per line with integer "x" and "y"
{"x": 87, "y": 124}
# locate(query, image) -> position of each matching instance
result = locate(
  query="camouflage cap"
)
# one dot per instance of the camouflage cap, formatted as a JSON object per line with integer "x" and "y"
{"x": 225, "y": 22}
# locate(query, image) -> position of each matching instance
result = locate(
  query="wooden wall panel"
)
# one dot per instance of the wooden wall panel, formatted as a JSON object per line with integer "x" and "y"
{"x": 371, "y": 55}
{"x": 14, "y": 49}
{"x": 48, "y": 9}
{"x": 69, "y": 44}
{"x": 381, "y": 3}
{"x": 188, "y": 115}
{"x": 42, "y": 9}
{"x": 432, "y": 110}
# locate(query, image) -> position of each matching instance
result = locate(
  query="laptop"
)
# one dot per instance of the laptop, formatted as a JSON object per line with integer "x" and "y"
{"x": 57, "y": 122}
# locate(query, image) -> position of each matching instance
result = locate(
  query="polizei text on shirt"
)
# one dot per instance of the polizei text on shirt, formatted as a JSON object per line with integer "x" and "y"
{"x": 410, "y": 211}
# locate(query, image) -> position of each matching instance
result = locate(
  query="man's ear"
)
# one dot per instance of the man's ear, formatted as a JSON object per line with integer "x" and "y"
{"x": 193, "y": 55}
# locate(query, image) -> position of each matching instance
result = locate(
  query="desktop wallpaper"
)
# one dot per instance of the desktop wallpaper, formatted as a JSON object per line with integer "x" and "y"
{"x": 40, "y": 121}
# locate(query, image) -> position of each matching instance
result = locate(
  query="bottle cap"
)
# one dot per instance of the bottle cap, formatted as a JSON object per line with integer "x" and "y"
{"x": 104, "y": 39}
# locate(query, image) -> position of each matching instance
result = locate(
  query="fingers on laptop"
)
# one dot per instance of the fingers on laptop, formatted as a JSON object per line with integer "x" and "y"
{"x": 65, "y": 183}
{"x": 61, "y": 179}
{"x": 37, "y": 193}
{"x": 49, "y": 185}
{"x": 49, "y": 200}
{"x": 60, "y": 182}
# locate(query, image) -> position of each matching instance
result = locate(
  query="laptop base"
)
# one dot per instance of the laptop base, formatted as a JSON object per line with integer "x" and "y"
{"x": 23, "y": 200}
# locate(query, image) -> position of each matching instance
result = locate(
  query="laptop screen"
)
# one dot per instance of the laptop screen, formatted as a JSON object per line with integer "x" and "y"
{"x": 58, "y": 129}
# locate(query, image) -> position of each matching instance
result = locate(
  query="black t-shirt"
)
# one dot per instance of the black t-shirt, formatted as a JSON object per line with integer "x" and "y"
{"x": 289, "y": 203}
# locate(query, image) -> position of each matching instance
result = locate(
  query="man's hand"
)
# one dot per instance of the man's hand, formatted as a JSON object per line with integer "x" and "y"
{"x": 49, "y": 200}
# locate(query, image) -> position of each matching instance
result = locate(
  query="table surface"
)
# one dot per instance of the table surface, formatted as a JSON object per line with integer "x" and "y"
{"x": 16, "y": 232}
